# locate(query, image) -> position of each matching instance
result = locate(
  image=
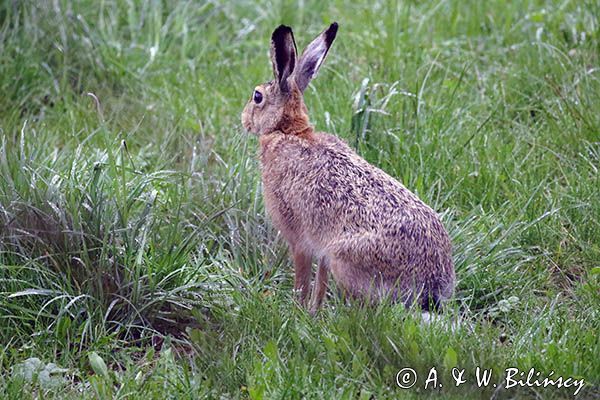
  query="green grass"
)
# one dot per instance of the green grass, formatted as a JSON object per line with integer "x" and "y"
{"x": 132, "y": 228}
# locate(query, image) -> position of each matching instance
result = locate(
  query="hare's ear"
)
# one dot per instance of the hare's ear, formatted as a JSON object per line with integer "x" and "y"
{"x": 283, "y": 55}
{"x": 313, "y": 56}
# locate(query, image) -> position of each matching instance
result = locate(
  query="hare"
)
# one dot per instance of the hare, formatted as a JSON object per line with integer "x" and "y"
{"x": 377, "y": 238}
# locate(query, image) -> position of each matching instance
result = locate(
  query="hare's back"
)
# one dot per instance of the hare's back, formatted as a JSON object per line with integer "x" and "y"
{"x": 351, "y": 180}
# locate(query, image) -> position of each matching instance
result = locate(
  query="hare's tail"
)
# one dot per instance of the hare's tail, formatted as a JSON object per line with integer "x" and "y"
{"x": 451, "y": 323}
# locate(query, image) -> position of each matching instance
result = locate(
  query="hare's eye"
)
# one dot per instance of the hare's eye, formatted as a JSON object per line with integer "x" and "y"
{"x": 257, "y": 97}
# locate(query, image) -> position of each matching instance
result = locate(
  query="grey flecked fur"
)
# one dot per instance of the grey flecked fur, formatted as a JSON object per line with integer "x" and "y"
{"x": 374, "y": 235}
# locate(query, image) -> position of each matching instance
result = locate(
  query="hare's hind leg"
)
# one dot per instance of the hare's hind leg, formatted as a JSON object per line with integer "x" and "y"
{"x": 320, "y": 287}
{"x": 348, "y": 278}
{"x": 303, "y": 275}
{"x": 359, "y": 282}
{"x": 364, "y": 269}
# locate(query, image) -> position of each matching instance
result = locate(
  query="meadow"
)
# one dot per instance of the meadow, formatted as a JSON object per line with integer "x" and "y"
{"x": 136, "y": 259}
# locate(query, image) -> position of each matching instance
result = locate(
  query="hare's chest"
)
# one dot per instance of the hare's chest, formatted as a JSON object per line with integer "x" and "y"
{"x": 282, "y": 212}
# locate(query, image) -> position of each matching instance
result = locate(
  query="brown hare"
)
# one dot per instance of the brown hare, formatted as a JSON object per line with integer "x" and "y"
{"x": 374, "y": 235}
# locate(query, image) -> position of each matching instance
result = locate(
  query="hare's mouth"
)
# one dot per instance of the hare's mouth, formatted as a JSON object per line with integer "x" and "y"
{"x": 246, "y": 121}
{"x": 246, "y": 125}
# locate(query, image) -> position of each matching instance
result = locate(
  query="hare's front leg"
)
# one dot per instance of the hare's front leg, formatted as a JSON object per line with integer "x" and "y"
{"x": 320, "y": 286}
{"x": 303, "y": 272}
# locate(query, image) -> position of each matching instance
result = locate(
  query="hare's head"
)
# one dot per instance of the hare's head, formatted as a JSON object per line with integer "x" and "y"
{"x": 278, "y": 105}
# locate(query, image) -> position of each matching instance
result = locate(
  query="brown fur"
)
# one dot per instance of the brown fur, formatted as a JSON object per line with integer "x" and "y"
{"x": 375, "y": 237}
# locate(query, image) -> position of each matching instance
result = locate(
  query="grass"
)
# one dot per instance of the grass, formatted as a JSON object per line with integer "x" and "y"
{"x": 136, "y": 260}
